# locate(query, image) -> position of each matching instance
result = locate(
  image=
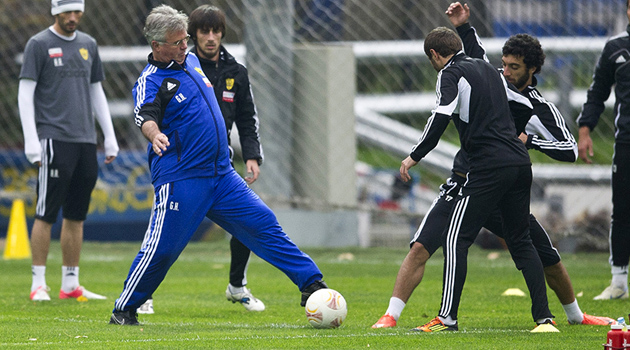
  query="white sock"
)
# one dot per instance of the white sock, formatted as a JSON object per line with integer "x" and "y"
{"x": 235, "y": 290}
{"x": 449, "y": 321}
{"x": 395, "y": 308}
{"x": 69, "y": 278}
{"x": 574, "y": 314}
{"x": 620, "y": 276}
{"x": 39, "y": 277}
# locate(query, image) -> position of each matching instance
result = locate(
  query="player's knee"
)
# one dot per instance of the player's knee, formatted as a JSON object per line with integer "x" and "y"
{"x": 419, "y": 253}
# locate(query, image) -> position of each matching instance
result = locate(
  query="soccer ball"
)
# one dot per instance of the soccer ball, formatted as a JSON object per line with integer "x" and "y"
{"x": 326, "y": 308}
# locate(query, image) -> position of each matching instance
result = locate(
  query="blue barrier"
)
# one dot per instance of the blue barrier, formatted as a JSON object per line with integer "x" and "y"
{"x": 120, "y": 206}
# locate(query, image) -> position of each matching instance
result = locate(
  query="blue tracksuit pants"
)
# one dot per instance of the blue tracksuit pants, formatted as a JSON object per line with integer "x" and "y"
{"x": 180, "y": 207}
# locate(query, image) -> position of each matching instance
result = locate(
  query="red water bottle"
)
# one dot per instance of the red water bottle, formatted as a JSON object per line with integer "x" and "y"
{"x": 626, "y": 340}
{"x": 615, "y": 337}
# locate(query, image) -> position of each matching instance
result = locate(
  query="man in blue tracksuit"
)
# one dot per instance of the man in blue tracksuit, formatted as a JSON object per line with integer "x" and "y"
{"x": 188, "y": 153}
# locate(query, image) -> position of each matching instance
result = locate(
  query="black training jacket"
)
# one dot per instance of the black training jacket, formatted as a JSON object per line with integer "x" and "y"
{"x": 475, "y": 97}
{"x": 233, "y": 91}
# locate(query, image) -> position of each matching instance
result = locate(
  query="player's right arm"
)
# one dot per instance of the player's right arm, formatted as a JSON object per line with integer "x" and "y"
{"x": 26, "y": 105}
{"x": 159, "y": 141}
{"x": 600, "y": 89}
{"x": 446, "y": 88}
{"x": 598, "y": 93}
{"x": 150, "y": 103}
{"x": 34, "y": 60}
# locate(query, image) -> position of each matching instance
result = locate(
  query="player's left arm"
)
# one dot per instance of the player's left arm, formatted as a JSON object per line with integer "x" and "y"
{"x": 547, "y": 131}
{"x": 101, "y": 110}
{"x": 246, "y": 120}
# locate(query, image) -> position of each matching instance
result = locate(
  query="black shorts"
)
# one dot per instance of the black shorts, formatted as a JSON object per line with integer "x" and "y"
{"x": 66, "y": 179}
{"x": 429, "y": 234}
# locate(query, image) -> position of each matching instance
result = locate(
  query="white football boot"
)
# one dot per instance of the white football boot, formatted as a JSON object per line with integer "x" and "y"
{"x": 79, "y": 292}
{"x": 41, "y": 294}
{"x": 250, "y": 302}
{"x": 146, "y": 308}
{"x": 612, "y": 292}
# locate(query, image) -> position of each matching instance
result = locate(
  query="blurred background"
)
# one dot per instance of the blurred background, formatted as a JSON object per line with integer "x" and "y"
{"x": 343, "y": 90}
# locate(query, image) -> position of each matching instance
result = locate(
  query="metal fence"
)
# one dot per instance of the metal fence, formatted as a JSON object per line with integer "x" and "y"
{"x": 386, "y": 36}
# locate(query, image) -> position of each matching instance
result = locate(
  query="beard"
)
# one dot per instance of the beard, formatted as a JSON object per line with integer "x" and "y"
{"x": 521, "y": 82}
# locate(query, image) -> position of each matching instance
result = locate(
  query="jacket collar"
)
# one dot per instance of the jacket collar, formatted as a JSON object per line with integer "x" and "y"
{"x": 166, "y": 65}
{"x": 456, "y": 57}
{"x": 224, "y": 55}
{"x": 531, "y": 86}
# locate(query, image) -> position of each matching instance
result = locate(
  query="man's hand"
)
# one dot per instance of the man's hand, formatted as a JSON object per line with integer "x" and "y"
{"x": 405, "y": 165}
{"x": 152, "y": 132}
{"x": 252, "y": 171}
{"x": 458, "y": 14}
{"x": 523, "y": 137}
{"x": 160, "y": 143}
{"x": 109, "y": 159}
{"x": 585, "y": 144}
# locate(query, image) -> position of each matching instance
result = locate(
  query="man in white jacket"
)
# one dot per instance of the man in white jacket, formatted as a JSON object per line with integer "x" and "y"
{"x": 59, "y": 94}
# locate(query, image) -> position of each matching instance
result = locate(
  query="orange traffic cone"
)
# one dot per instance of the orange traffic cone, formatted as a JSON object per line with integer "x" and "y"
{"x": 17, "y": 244}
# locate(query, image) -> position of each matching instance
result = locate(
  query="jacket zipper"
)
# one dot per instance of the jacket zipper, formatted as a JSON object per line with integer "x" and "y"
{"x": 214, "y": 120}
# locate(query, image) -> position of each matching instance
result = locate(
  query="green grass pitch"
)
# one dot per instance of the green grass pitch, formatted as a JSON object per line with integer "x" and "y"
{"x": 192, "y": 312}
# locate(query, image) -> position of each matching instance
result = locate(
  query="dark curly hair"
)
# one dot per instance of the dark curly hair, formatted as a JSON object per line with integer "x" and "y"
{"x": 528, "y": 47}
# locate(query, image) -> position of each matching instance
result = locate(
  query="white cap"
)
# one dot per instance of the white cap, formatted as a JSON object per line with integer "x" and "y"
{"x": 61, "y": 6}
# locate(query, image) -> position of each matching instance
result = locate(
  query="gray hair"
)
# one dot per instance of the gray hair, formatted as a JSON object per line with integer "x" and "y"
{"x": 163, "y": 20}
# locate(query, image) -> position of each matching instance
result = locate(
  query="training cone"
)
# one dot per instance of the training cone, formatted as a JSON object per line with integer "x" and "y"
{"x": 17, "y": 244}
{"x": 545, "y": 328}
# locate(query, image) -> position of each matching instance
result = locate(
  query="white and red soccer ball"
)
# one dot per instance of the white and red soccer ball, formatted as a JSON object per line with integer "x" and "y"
{"x": 326, "y": 308}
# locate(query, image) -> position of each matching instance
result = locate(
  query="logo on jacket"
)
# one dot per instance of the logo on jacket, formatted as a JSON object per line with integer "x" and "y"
{"x": 228, "y": 96}
{"x": 174, "y": 206}
{"x": 170, "y": 86}
{"x": 205, "y": 79}
{"x": 229, "y": 83}
{"x": 620, "y": 59}
{"x": 624, "y": 56}
{"x": 180, "y": 97}
{"x": 84, "y": 53}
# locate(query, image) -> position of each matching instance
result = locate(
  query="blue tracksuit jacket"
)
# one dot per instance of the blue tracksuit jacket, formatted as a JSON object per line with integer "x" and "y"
{"x": 180, "y": 100}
